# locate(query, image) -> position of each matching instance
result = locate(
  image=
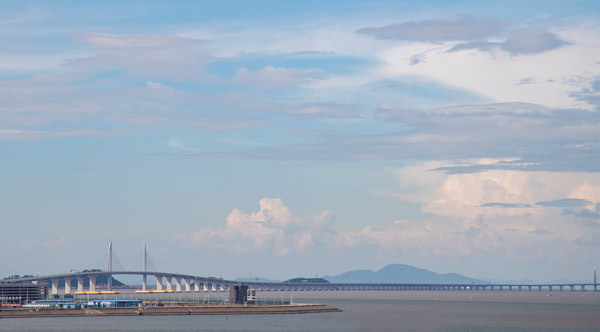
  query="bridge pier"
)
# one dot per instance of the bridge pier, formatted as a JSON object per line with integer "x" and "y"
{"x": 54, "y": 282}
{"x": 204, "y": 287}
{"x": 109, "y": 281}
{"x": 159, "y": 279}
{"x": 213, "y": 287}
{"x": 92, "y": 283}
{"x": 177, "y": 285}
{"x": 169, "y": 283}
{"x": 187, "y": 283}
{"x": 80, "y": 284}
{"x": 144, "y": 281}
{"x": 196, "y": 285}
{"x": 68, "y": 285}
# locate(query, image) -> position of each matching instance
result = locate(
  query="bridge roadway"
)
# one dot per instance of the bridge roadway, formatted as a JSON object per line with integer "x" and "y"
{"x": 184, "y": 282}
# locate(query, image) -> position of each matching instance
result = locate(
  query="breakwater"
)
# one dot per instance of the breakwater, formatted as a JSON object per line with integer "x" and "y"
{"x": 170, "y": 311}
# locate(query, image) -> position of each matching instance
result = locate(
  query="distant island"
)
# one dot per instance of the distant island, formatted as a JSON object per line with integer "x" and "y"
{"x": 401, "y": 273}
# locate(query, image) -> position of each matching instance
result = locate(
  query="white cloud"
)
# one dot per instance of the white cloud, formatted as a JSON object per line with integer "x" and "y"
{"x": 495, "y": 74}
{"x": 459, "y": 226}
{"x": 272, "y": 229}
{"x": 511, "y": 229}
{"x": 587, "y": 192}
{"x": 465, "y": 194}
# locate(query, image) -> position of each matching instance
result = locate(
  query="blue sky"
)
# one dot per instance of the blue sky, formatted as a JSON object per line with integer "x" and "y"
{"x": 303, "y": 138}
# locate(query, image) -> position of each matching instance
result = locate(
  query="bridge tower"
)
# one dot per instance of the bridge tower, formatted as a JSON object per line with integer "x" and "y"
{"x": 595, "y": 281}
{"x": 109, "y": 267}
{"x": 145, "y": 267}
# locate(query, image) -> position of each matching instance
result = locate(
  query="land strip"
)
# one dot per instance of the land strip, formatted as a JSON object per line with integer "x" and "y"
{"x": 170, "y": 311}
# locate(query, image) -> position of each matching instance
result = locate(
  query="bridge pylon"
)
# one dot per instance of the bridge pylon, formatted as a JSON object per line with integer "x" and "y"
{"x": 109, "y": 265}
{"x": 145, "y": 268}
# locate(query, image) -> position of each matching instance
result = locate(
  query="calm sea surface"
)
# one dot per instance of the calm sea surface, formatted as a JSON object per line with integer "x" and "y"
{"x": 371, "y": 311}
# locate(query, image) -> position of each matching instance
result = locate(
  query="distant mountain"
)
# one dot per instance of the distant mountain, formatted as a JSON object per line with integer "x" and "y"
{"x": 401, "y": 273}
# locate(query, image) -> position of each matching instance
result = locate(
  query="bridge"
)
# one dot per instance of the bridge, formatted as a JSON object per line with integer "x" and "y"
{"x": 191, "y": 283}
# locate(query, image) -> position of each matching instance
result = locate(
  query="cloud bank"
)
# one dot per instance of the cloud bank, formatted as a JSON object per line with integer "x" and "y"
{"x": 519, "y": 224}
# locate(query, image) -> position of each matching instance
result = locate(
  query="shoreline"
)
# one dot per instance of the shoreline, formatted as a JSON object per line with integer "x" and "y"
{"x": 169, "y": 311}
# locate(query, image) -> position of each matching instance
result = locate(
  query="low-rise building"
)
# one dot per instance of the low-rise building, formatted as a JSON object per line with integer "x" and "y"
{"x": 117, "y": 303}
{"x": 12, "y": 294}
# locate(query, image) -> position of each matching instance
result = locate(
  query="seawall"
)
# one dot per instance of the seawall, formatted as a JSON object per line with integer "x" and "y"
{"x": 170, "y": 310}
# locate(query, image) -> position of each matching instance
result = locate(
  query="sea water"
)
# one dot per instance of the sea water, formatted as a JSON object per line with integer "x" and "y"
{"x": 370, "y": 311}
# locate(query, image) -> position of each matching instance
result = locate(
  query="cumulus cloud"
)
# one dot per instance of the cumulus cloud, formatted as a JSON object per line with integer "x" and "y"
{"x": 466, "y": 28}
{"x": 272, "y": 229}
{"x": 491, "y": 211}
{"x": 586, "y": 191}
{"x": 485, "y": 214}
{"x": 504, "y": 194}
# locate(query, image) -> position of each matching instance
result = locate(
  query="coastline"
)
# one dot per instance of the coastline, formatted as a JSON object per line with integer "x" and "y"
{"x": 170, "y": 311}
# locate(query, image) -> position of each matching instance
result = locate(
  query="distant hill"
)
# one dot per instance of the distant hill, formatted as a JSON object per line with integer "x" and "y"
{"x": 401, "y": 273}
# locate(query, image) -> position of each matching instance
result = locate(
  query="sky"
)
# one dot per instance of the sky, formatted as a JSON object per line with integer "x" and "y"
{"x": 282, "y": 139}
